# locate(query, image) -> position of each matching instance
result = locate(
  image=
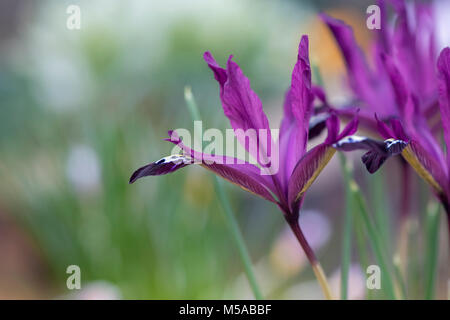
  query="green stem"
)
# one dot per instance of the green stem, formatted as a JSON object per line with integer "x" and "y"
{"x": 432, "y": 237}
{"x": 397, "y": 265}
{"x": 375, "y": 240}
{"x": 236, "y": 235}
{"x": 361, "y": 245}
{"x": 347, "y": 229}
{"x": 317, "y": 268}
{"x": 379, "y": 205}
{"x": 230, "y": 218}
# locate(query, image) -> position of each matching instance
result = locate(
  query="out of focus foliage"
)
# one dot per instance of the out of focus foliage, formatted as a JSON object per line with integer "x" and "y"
{"x": 81, "y": 109}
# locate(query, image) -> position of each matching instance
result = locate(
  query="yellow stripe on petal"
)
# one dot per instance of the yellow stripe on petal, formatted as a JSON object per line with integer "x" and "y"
{"x": 409, "y": 155}
{"x": 323, "y": 161}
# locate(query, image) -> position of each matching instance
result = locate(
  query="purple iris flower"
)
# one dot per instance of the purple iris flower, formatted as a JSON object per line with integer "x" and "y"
{"x": 298, "y": 167}
{"x": 422, "y": 151}
{"x": 401, "y": 96}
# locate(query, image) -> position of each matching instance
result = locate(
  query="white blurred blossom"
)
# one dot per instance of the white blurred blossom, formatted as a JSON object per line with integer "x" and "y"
{"x": 98, "y": 290}
{"x": 83, "y": 169}
{"x": 356, "y": 282}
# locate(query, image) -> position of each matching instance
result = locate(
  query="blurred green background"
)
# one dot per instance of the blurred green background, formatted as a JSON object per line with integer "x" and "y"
{"x": 80, "y": 110}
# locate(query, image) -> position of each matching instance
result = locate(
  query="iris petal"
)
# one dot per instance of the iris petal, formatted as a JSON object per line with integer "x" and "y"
{"x": 242, "y": 107}
{"x": 163, "y": 166}
{"x": 378, "y": 151}
{"x": 239, "y": 172}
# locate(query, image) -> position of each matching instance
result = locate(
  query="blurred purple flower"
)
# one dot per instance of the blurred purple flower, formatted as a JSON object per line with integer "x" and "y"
{"x": 401, "y": 88}
{"x": 404, "y": 92}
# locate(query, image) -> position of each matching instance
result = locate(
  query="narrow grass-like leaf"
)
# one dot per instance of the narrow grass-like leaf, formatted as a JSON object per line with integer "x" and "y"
{"x": 347, "y": 228}
{"x": 362, "y": 246}
{"x": 432, "y": 249}
{"x": 398, "y": 275}
{"x": 375, "y": 241}
{"x": 379, "y": 205}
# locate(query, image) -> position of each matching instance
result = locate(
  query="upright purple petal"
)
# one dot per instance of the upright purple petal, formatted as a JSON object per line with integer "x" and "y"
{"x": 398, "y": 84}
{"x": 297, "y": 112}
{"x": 220, "y": 74}
{"x": 359, "y": 74}
{"x": 413, "y": 48}
{"x": 242, "y": 107}
{"x": 369, "y": 86}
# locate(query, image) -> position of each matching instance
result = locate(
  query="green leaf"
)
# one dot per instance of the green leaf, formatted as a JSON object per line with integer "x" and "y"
{"x": 432, "y": 245}
{"x": 347, "y": 228}
{"x": 375, "y": 241}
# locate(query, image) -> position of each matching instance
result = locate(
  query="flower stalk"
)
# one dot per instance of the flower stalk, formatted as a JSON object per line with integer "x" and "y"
{"x": 347, "y": 228}
{"x": 315, "y": 264}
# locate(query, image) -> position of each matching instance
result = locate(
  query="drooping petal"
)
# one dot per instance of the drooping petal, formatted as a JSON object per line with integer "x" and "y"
{"x": 443, "y": 66}
{"x": 307, "y": 170}
{"x": 420, "y": 133}
{"x": 243, "y": 108}
{"x": 378, "y": 151}
{"x": 163, "y": 166}
{"x": 297, "y": 112}
{"x": 241, "y": 173}
{"x": 422, "y": 153}
{"x": 352, "y": 143}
